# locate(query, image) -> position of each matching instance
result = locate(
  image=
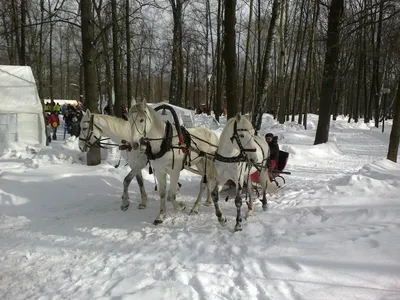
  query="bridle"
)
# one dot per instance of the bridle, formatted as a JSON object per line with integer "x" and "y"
{"x": 242, "y": 156}
{"x": 98, "y": 141}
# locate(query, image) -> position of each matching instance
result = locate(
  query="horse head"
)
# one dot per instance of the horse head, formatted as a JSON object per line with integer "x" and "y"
{"x": 141, "y": 123}
{"x": 90, "y": 133}
{"x": 243, "y": 136}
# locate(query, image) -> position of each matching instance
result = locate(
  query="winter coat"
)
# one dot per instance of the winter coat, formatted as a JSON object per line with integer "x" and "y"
{"x": 274, "y": 149}
{"x": 74, "y": 127}
{"x": 53, "y": 119}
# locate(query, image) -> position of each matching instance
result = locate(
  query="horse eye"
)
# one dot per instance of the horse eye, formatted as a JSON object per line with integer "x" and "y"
{"x": 141, "y": 120}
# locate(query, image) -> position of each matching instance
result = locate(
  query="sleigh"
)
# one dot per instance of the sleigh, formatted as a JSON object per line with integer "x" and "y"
{"x": 276, "y": 174}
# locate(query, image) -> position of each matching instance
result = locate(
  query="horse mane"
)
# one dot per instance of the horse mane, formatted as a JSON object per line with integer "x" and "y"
{"x": 153, "y": 115}
{"x": 228, "y": 129}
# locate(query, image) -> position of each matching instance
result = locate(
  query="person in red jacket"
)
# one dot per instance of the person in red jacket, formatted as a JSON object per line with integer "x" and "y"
{"x": 54, "y": 122}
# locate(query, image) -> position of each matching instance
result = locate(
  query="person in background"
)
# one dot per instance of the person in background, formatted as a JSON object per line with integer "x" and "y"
{"x": 57, "y": 108}
{"x": 54, "y": 122}
{"x": 273, "y": 149}
{"x": 74, "y": 127}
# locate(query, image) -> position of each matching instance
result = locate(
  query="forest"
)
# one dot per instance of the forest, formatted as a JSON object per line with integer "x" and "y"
{"x": 286, "y": 57}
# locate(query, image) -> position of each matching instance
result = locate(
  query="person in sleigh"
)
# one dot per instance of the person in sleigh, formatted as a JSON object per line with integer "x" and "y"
{"x": 273, "y": 156}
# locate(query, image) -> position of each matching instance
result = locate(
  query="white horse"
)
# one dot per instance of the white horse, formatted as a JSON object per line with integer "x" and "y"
{"x": 240, "y": 153}
{"x": 164, "y": 147}
{"x": 95, "y": 126}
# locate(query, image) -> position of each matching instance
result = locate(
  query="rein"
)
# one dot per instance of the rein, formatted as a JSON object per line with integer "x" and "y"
{"x": 99, "y": 142}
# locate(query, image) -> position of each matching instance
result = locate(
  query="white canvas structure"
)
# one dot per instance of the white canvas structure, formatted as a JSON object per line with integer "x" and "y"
{"x": 186, "y": 116}
{"x": 21, "y": 114}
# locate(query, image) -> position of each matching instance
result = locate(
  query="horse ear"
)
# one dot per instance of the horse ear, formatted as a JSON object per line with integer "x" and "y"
{"x": 238, "y": 117}
{"x": 133, "y": 102}
{"x": 144, "y": 103}
{"x": 88, "y": 112}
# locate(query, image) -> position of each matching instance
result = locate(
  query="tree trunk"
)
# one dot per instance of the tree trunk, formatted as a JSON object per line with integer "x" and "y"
{"x": 330, "y": 71}
{"x": 299, "y": 64}
{"x": 217, "y": 110}
{"x": 176, "y": 81}
{"x": 263, "y": 80}
{"x": 128, "y": 55}
{"x": 282, "y": 57}
{"x": 246, "y": 59}
{"x": 89, "y": 65}
{"x": 23, "y": 38}
{"x": 395, "y": 133}
{"x": 230, "y": 58}
{"x": 377, "y": 64}
{"x": 117, "y": 63}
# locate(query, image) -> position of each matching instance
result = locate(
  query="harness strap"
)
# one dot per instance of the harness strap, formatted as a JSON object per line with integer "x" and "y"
{"x": 166, "y": 144}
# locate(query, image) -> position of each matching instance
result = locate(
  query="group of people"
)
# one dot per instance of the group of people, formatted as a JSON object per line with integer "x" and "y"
{"x": 72, "y": 116}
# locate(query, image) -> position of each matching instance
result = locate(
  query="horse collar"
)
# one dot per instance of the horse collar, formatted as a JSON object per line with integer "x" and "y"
{"x": 166, "y": 144}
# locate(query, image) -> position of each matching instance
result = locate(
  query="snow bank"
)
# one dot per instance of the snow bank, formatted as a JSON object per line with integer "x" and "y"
{"x": 379, "y": 178}
{"x": 341, "y": 125}
{"x": 311, "y": 154}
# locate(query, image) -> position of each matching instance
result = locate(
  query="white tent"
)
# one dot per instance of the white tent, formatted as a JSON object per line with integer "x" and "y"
{"x": 185, "y": 116}
{"x": 21, "y": 114}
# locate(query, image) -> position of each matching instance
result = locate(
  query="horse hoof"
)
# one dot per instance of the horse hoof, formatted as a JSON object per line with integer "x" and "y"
{"x": 124, "y": 208}
{"x": 141, "y": 206}
{"x": 222, "y": 221}
{"x": 158, "y": 221}
{"x": 181, "y": 207}
{"x": 265, "y": 207}
{"x": 194, "y": 212}
{"x": 207, "y": 203}
{"x": 249, "y": 213}
{"x": 238, "y": 227}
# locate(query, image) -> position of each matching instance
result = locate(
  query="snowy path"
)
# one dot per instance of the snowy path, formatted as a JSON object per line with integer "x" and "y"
{"x": 332, "y": 233}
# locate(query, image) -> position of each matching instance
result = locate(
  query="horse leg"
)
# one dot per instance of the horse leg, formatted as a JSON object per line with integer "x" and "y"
{"x": 250, "y": 202}
{"x": 125, "y": 196}
{"x": 209, "y": 198}
{"x": 162, "y": 184}
{"x": 173, "y": 185}
{"x": 238, "y": 204}
{"x": 264, "y": 184}
{"x": 215, "y": 197}
{"x": 143, "y": 194}
{"x": 195, "y": 209}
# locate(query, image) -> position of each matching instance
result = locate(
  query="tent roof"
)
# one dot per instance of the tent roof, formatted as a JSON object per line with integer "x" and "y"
{"x": 18, "y": 92}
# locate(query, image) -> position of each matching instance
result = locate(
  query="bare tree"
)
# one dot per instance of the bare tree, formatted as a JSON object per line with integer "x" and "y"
{"x": 395, "y": 133}
{"x": 230, "y": 58}
{"x": 89, "y": 66}
{"x": 330, "y": 71}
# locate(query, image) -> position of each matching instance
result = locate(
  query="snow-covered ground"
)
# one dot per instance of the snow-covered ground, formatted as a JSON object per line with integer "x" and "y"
{"x": 332, "y": 233}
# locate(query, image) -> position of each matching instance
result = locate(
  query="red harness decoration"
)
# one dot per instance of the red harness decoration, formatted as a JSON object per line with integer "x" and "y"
{"x": 182, "y": 140}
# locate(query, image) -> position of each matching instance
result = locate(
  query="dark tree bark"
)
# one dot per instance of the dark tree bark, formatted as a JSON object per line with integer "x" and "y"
{"x": 117, "y": 62}
{"x": 128, "y": 55}
{"x": 89, "y": 66}
{"x": 395, "y": 133}
{"x": 376, "y": 82}
{"x": 176, "y": 82}
{"x": 330, "y": 71}
{"x": 217, "y": 108}
{"x": 23, "y": 38}
{"x": 230, "y": 58}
